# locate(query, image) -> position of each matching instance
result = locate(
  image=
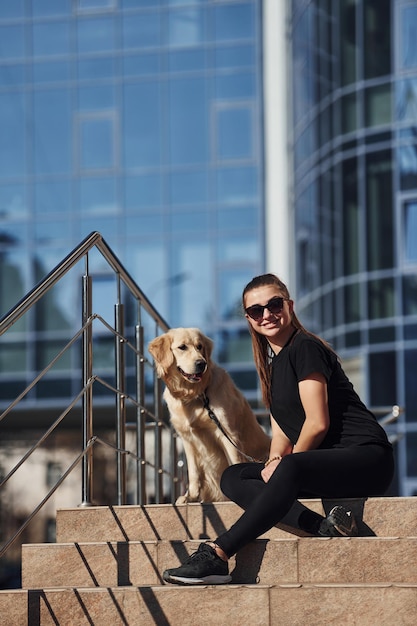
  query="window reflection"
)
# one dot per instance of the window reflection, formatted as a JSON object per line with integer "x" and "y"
{"x": 52, "y": 131}
{"x": 143, "y": 191}
{"x": 12, "y": 42}
{"x": 190, "y": 187}
{"x": 377, "y": 51}
{"x": 236, "y": 85}
{"x": 142, "y": 126}
{"x": 408, "y": 36}
{"x": 48, "y": 8}
{"x": 410, "y": 295}
{"x": 141, "y": 31}
{"x": 53, "y": 196}
{"x": 97, "y": 149}
{"x": 98, "y": 196}
{"x": 12, "y": 133}
{"x": 96, "y": 35}
{"x": 51, "y": 41}
{"x": 11, "y": 75}
{"x": 234, "y": 56}
{"x": 407, "y": 163}
{"x": 348, "y": 45}
{"x": 379, "y": 210}
{"x": 237, "y": 184}
{"x": 410, "y": 232}
{"x": 13, "y": 202}
{"x": 378, "y": 105}
{"x": 52, "y": 71}
{"x": 234, "y": 21}
{"x": 234, "y": 133}
{"x": 383, "y": 382}
{"x": 12, "y": 9}
{"x": 381, "y": 298}
{"x": 186, "y": 26}
{"x": 188, "y": 121}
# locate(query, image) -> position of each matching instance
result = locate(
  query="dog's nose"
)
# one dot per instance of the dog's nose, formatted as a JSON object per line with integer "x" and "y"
{"x": 200, "y": 366}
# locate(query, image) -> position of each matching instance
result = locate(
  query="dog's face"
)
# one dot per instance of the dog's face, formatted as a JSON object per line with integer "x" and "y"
{"x": 183, "y": 351}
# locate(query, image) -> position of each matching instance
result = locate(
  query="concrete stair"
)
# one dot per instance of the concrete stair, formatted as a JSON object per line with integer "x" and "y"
{"x": 106, "y": 569}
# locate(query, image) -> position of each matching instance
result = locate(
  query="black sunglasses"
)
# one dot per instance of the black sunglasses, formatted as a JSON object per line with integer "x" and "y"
{"x": 274, "y": 306}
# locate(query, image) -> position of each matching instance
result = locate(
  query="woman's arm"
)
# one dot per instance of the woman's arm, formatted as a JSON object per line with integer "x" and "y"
{"x": 313, "y": 395}
{"x": 280, "y": 446}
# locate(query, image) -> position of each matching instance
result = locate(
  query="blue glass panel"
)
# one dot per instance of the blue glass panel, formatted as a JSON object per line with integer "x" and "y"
{"x": 50, "y": 7}
{"x": 235, "y": 56}
{"x": 12, "y": 42}
{"x": 12, "y": 9}
{"x": 146, "y": 263}
{"x": 189, "y": 121}
{"x": 238, "y": 249}
{"x": 98, "y": 197}
{"x": 189, "y": 187}
{"x": 52, "y": 131}
{"x": 234, "y": 21}
{"x": 406, "y": 100}
{"x": 141, "y": 31}
{"x": 230, "y": 86}
{"x": 137, "y": 4}
{"x": 96, "y": 98}
{"x": 241, "y": 218}
{"x": 408, "y": 37}
{"x": 52, "y": 71}
{"x": 231, "y": 284}
{"x": 410, "y": 231}
{"x": 237, "y": 184}
{"x": 95, "y": 69}
{"x": 86, "y": 5}
{"x": 407, "y": 163}
{"x": 51, "y": 40}
{"x": 14, "y": 266}
{"x": 143, "y": 191}
{"x": 187, "y": 60}
{"x": 192, "y": 222}
{"x": 192, "y": 259}
{"x": 186, "y": 26}
{"x": 11, "y": 75}
{"x": 50, "y": 230}
{"x": 142, "y": 126}
{"x": 144, "y": 225}
{"x": 96, "y": 34}
{"x": 13, "y": 201}
{"x": 53, "y": 196}
{"x": 234, "y": 133}
{"x": 141, "y": 64}
{"x": 97, "y": 143}
{"x": 12, "y": 133}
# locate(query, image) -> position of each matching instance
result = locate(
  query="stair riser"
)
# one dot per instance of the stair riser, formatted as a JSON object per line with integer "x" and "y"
{"x": 312, "y": 560}
{"x": 234, "y": 606}
{"x": 386, "y": 517}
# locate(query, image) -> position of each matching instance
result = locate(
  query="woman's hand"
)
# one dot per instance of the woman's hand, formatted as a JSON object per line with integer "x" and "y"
{"x": 267, "y": 471}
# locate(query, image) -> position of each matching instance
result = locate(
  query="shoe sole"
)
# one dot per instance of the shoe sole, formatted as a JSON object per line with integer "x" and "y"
{"x": 205, "y": 580}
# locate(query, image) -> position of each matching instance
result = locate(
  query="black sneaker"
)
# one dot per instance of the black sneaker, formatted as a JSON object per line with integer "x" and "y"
{"x": 340, "y": 522}
{"x": 202, "y": 567}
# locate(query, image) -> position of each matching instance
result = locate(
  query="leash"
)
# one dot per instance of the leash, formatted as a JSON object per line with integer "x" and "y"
{"x": 215, "y": 419}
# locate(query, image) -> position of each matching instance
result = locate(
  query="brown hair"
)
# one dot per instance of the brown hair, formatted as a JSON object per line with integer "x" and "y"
{"x": 260, "y": 346}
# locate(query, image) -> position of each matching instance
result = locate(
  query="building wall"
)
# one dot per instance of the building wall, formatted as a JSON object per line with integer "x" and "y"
{"x": 355, "y": 185}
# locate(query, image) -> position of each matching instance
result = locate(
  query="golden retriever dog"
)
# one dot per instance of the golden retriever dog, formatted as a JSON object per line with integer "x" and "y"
{"x": 195, "y": 389}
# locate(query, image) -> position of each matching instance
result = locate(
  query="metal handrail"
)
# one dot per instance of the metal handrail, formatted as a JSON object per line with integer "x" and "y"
{"x": 143, "y": 413}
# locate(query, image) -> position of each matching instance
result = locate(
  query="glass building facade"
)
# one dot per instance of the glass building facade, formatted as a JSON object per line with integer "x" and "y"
{"x": 140, "y": 119}
{"x": 354, "y": 64}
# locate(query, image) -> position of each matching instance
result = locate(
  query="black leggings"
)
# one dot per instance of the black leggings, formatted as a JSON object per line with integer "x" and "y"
{"x": 354, "y": 472}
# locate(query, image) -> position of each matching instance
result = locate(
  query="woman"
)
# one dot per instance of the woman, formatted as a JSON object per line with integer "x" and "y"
{"x": 325, "y": 443}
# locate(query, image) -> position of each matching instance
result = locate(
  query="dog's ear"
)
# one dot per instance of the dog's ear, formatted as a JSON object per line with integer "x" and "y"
{"x": 208, "y": 346}
{"x": 160, "y": 349}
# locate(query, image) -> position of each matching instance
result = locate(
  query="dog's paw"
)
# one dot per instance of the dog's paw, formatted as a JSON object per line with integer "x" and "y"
{"x": 182, "y": 499}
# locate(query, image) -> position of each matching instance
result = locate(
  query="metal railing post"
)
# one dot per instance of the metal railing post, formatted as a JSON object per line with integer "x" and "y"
{"x": 140, "y": 417}
{"x": 120, "y": 403}
{"x": 158, "y": 441}
{"x": 87, "y": 403}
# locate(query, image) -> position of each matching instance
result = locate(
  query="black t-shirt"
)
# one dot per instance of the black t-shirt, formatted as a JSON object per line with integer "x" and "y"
{"x": 351, "y": 423}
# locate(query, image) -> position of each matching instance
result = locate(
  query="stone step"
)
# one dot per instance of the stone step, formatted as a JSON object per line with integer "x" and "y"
{"x": 363, "y": 560}
{"x": 234, "y": 605}
{"x": 384, "y": 517}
